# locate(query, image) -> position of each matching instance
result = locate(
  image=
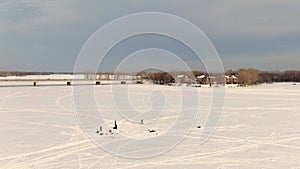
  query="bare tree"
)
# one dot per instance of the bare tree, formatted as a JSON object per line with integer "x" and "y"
{"x": 248, "y": 76}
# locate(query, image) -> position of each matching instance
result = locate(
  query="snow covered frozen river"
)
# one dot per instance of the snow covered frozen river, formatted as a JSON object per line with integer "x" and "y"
{"x": 260, "y": 128}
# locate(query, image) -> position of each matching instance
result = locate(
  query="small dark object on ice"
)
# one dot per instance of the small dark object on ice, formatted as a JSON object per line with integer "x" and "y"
{"x": 142, "y": 121}
{"x": 116, "y": 126}
{"x": 151, "y": 130}
{"x": 199, "y": 127}
{"x": 99, "y": 131}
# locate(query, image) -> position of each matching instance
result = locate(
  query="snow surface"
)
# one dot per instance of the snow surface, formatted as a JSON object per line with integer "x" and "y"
{"x": 260, "y": 128}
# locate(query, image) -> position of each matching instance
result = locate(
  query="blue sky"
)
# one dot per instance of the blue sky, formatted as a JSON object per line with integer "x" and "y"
{"x": 47, "y": 35}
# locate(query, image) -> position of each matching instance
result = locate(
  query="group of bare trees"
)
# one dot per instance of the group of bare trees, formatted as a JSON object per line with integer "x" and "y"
{"x": 170, "y": 77}
{"x": 254, "y": 76}
{"x": 157, "y": 77}
{"x": 245, "y": 76}
{"x": 286, "y": 76}
{"x": 5, "y": 73}
{"x": 248, "y": 76}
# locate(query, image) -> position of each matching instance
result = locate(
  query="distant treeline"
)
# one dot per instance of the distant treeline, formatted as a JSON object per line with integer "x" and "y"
{"x": 254, "y": 76}
{"x": 245, "y": 76}
{"x": 4, "y": 74}
{"x": 171, "y": 77}
{"x": 286, "y": 76}
{"x": 19, "y": 73}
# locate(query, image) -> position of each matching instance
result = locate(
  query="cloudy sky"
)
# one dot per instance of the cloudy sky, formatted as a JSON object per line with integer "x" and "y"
{"x": 47, "y": 35}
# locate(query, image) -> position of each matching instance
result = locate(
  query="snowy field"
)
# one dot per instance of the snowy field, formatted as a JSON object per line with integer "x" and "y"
{"x": 260, "y": 128}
